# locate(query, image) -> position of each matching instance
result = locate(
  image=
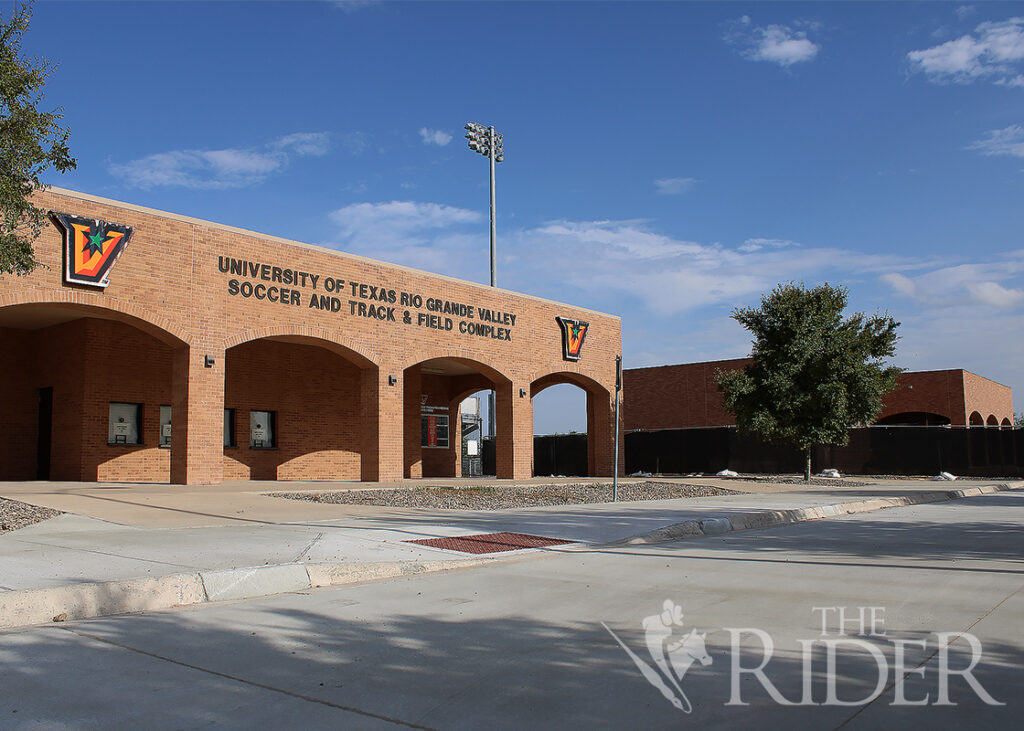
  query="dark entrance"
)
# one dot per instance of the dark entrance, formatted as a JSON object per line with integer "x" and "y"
{"x": 44, "y": 435}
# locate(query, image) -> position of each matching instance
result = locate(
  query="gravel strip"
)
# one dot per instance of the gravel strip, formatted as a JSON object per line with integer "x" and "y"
{"x": 819, "y": 481}
{"x": 504, "y": 497}
{"x": 15, "y": 514}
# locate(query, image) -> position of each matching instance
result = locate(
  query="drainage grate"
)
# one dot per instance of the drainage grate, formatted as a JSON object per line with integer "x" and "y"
{"x": 490, "y": 542}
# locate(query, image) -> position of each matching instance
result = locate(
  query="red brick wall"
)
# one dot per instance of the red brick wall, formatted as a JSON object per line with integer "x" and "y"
{"x": 686, "y": 396}
{"x": 988, "y": 398}
{"x": 676, "y": 396}
{"x": 315, "y": 394}
{"x": 933, "y": 392}
{"x": 88, "y": 363}
{"x": 20, "y": 407}
{"x": 122, "y": 364}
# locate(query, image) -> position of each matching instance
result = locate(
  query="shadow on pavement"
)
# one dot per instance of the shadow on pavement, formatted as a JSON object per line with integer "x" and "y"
{"x": 353, "y": 665}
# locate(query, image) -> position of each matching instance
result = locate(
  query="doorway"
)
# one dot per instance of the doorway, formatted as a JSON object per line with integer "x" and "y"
{"x": 43, "y": 442}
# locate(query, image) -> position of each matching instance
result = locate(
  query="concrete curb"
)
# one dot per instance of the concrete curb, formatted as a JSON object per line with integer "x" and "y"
{"x": 89, "y": 600}
{"x": 772, "y": 518}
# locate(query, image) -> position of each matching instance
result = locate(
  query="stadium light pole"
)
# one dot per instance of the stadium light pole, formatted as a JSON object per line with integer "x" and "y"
{"x": 488, "y": 143}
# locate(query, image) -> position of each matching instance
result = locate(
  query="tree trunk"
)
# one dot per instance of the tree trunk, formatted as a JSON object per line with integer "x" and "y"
{"x": 807, "y": 466}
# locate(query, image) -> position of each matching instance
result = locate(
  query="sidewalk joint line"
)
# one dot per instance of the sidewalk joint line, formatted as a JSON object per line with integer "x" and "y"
{"x": 235, "y": 678}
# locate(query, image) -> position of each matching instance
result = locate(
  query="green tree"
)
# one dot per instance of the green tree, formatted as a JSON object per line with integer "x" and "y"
{"x": 31, "y": 141}
{"x": 815, "y": 374}
{"x": 1018, "y": 420}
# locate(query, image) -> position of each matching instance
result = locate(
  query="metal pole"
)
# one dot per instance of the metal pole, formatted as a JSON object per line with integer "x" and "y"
{"x": 494, "y": 233}
{"x": 492, "y": 422}
{"x": 615, "y": 469}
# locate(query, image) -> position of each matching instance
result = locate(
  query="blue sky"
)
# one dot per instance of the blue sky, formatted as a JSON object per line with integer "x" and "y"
{"x": 665, "y": 162}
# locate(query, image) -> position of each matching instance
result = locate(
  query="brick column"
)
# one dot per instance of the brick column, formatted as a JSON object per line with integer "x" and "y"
{"x": 381, "y": 415}
{"x": 413, "y": 453}
{"x": 515, "y": 431}
{"x": 601, "y": 435}
{"x": 455, "y": 437}
{"x": 197, "y": 417}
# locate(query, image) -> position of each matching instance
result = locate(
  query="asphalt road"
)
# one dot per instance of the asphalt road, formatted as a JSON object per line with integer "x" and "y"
{"x": 527, "y": 644}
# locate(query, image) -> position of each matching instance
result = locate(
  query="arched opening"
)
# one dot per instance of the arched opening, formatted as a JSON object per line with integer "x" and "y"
{"x": 87, "y": 394}
{"x": 560, "y": 431}
{"x": 1005, "y": 424}
{"x": 914, "y": 418}
{"x": 587, "y": 454}
{"x": 434, "y": 391}
{"x": 299, "y": 408}
{"x": 976, "y": 419}
{"x": 991, "y": 420}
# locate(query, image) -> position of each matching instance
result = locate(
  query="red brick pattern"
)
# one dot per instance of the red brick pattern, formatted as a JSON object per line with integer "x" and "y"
{"x": 169, "y": 291}
{"x": 687, "y": 396}
{"x": 490, "y": 542}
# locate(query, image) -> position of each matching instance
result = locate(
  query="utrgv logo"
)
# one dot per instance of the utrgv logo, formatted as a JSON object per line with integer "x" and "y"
{"x": 91, "y": 248}
{"x": 672, "y": 658}
{"x": 574, "y": 332}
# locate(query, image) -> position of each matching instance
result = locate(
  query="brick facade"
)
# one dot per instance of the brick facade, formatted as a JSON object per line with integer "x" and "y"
{"x": 687, "y": 396}
{"x": 180, "y": 325}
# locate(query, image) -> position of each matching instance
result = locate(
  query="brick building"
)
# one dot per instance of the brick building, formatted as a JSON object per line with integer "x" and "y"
{"x": 687, "y": 396}
{"x": 193, "y": 352}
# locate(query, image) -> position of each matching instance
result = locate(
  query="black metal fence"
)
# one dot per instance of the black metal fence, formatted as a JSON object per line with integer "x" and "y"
{"x": 878, "y": 450}
{"x": 553, "y": 454}
{"x": 924, "y": 450}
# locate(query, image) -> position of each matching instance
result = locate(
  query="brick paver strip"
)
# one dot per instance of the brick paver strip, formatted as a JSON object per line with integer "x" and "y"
{"x": 490, "y": 542}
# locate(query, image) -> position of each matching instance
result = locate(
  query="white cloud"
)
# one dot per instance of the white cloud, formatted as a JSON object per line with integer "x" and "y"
{"x": 774, "y": 43}
{"x": 625, "y": 258}
{"x": 964, "y": 11}
{"x": 399, "y": 217}
{"x": 674, "y": 186}
{"x": 407, "y": 232}
{"x": 592, "y": 262}
{"x": 964, "y": 284}
{"x": 995, "y": 295}
{"x": 355, "y": 142}
{"x": 219, "y": 169}
{"x": 1008, "y": 141}
{"x": 435, "y": 137}
{"x": 305, "y": 143}
{"x": 992, "y": 52}
{"x": 751, "y": 245}
{"x": 901, "y": 283}
{"x": 352, "y": 6}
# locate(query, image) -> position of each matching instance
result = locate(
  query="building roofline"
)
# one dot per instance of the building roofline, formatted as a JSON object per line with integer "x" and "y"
{"x": 693, "y": 363}
{"x": 976, "y": 375}
{"x": 313, "y": 247}
{"x": 737, "y": 360}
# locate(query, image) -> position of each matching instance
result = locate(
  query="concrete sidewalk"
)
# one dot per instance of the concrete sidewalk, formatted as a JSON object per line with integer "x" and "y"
{"x": 142, "y": 547}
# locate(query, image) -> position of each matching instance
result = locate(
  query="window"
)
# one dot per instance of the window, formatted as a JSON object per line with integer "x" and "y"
{"x": 123, "y": 424}
{"x": 165, "y": 426}
{"x": 229, "y": 427}
{"x": 434, "y": 431}
{"x": 262, "y": 429}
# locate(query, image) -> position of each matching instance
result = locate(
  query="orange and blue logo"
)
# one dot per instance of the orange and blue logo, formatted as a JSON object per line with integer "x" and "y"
{"x": 91, "y": 248}
{"x": 574, "y": 332}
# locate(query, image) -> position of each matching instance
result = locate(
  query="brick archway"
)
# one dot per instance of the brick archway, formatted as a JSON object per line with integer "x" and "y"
{"x": 323, "y": 399}
{"x": 73, "y": 362}
{"x": 434, "y": 389}
{"x": 600, "y": 417}
{"x": 333, "y": 339}
{"x": 96, "y": 305}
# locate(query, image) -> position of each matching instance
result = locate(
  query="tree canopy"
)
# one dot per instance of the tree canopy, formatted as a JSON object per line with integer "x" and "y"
{"x": 31, "y": 142}
{"x": 814, "y": 374}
